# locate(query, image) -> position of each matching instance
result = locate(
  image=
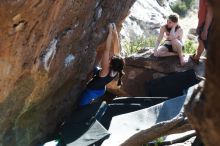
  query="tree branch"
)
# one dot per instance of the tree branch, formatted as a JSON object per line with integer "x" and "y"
{"x": 176, "y": 125}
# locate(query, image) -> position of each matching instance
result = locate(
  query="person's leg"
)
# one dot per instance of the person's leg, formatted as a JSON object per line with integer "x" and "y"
{"x": 199, "y": 50}
{"x": 164, "y": 52}
{"x": 201, "y": 46}
{"x": 177, "y": 47}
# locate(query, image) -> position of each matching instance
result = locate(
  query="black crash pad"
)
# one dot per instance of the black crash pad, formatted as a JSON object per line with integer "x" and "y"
{"x": 174, "y": 85}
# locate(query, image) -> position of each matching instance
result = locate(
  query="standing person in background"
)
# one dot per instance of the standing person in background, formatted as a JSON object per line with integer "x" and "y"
{"x": 205, "y": 16}
{"x": 111, "y": 66}
{"x": 173, "y": 44}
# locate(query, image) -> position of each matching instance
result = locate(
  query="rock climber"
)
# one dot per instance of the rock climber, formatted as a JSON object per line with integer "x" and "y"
{"x": 111, "y": 64}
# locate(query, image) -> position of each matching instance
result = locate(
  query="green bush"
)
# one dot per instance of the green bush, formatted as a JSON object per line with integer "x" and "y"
{"x": 189, "y": 3}
{"x": 181, "y": 7}
{"x": 157, "y": 142}
{"x": 189, "y": 47}
{"x": 138, "y": 44}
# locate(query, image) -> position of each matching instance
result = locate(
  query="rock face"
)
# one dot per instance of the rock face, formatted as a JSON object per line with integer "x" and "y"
{"x": 47, "y": 49}
{"x": 147, "y": 16}
{"x": 204, "y": 111}
{"x": 145, "y": 19}
{"x": 143, "y": 66}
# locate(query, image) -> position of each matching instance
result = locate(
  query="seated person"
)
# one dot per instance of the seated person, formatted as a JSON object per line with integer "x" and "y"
{"x": 111, "y": 66}
{"x": 173, "y": 44}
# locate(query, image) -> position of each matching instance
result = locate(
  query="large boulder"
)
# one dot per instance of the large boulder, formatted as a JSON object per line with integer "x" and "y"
{"x": 143, "y": 66}
{"x": 47, "y": 49}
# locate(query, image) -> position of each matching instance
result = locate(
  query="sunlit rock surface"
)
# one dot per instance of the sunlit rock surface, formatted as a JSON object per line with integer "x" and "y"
{"x": 47, "y": 49}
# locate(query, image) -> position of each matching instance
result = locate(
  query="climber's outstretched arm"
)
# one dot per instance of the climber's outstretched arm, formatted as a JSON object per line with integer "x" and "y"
{"x": 105, "y": 61}
{"x": 116, "y": 43}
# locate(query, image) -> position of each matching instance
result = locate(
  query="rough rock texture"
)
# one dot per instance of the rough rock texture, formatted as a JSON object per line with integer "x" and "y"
{"x": 145, "y": 19}
{"x": 204, "y": 110}
{"x": 143, "y": 66}
{"x": 147, "y": 16}
{"x": 47, "y": 48}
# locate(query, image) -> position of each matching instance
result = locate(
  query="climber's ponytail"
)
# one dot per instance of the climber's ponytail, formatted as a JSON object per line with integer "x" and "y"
{"x": 117, "y": 65}
{"x": 121, "y": 73}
